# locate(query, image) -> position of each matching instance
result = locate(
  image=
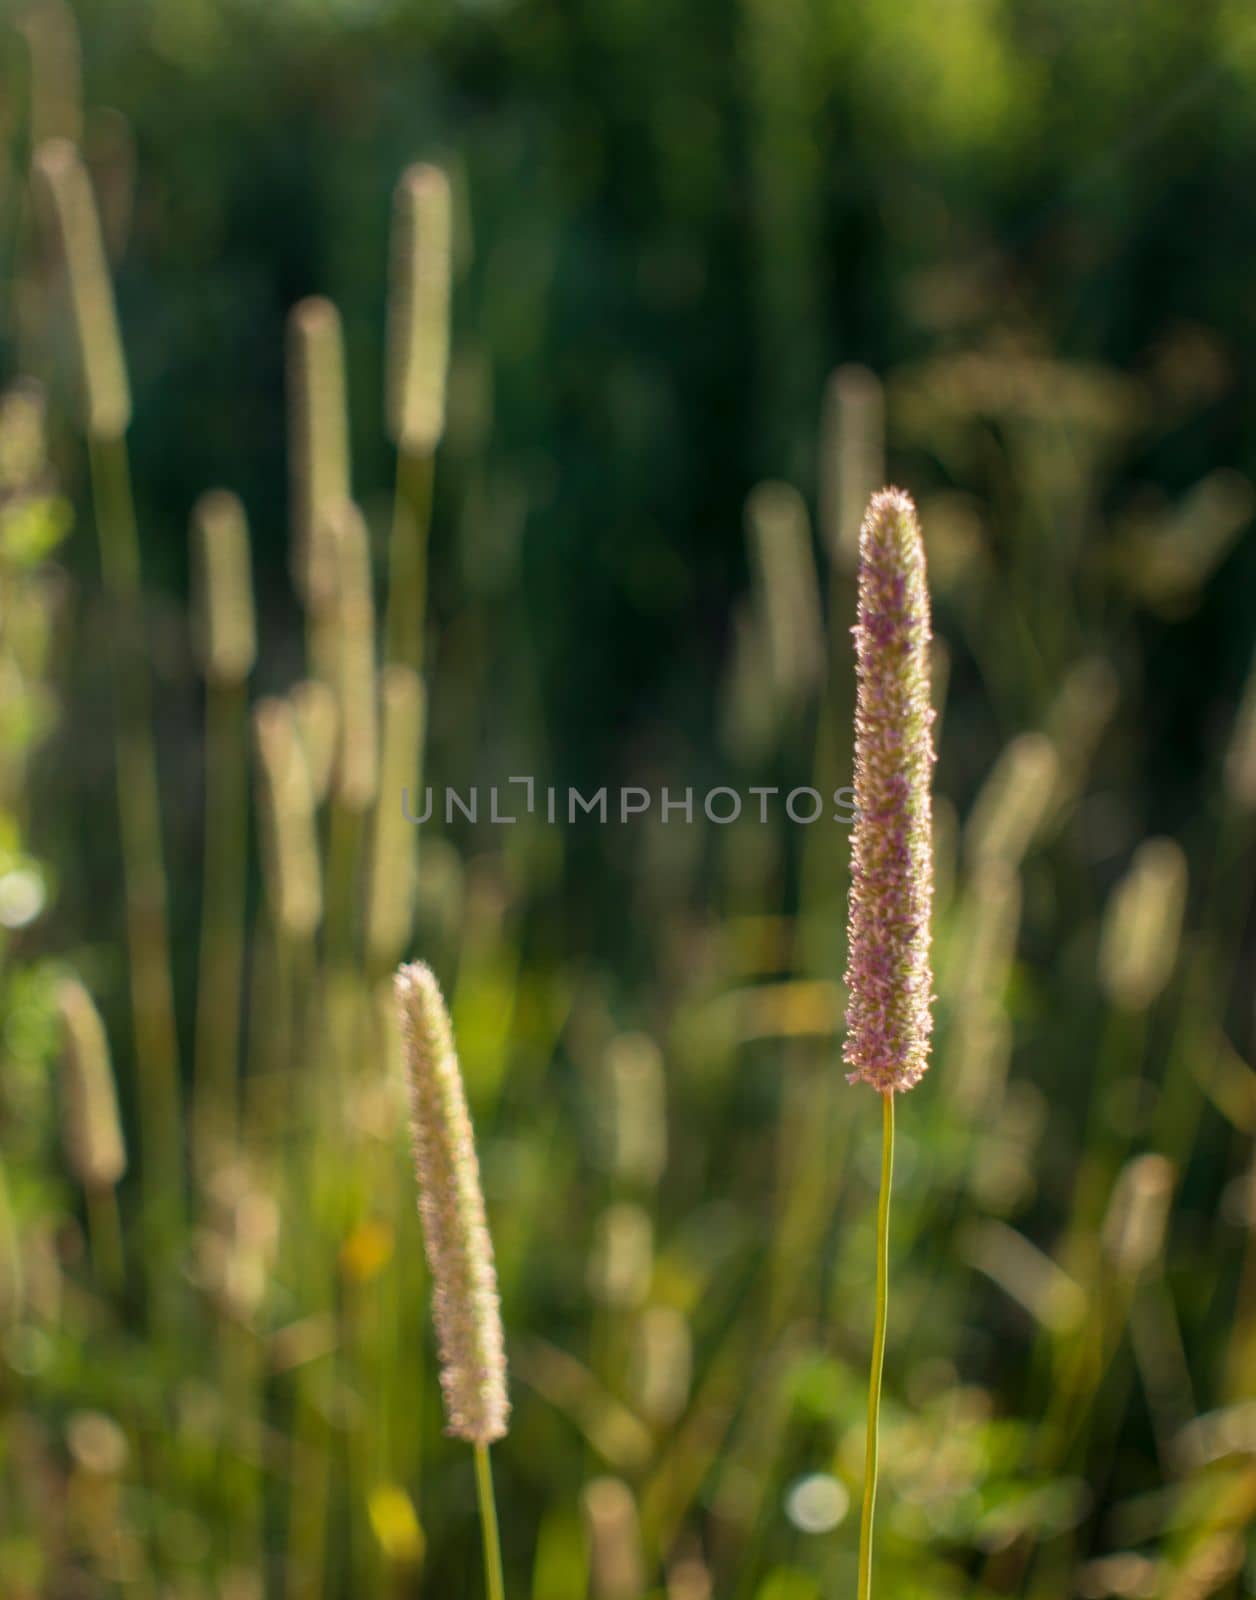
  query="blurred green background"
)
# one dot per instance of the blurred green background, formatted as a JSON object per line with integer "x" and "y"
{"x": 1020, "y": 231}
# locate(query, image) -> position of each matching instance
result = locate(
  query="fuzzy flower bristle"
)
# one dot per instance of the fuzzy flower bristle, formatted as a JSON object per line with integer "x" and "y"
{"x": 451, "y": 1205}
{"x": 888, "y": 975}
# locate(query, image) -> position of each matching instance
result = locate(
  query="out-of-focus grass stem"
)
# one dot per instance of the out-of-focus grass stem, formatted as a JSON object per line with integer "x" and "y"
{"x": 104, "y": 1232}
{"x": 226, "y": 639}
{"x": 418, "y": 361}
{"x": 152, "y": 996}
{"x": 223, "y": 902}
{"x": 404, "y": 626}
{"x": 70, "y": 205}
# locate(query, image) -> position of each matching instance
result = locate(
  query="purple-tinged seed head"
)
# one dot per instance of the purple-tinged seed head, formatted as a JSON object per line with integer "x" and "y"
{"x": 888, "y": 1018}
{"x": 451, "y": 1205}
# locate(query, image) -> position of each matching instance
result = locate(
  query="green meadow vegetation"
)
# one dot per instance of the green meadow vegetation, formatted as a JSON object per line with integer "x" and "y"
{"x": 400, "y": 396}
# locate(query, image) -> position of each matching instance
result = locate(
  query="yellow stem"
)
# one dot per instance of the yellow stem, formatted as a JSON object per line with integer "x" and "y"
{"x": 864, "y": 1590}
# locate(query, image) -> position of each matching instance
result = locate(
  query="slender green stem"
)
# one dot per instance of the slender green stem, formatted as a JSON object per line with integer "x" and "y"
{"x": 105, "y": 1236}
{"x": 222, "y": 933}
{"x": 344, "y": 837}
{"x": 139, "y": 811}
{"x": 864, "y": 1590}
{"x": 494, "y": 1583}
{"x": 407, "y": 562}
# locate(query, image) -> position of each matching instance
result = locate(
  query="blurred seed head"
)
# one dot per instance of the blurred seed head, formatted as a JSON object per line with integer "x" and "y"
{"x": 1138, "y": 1213}
{"x": 1143, "y": 926}
{"x": 614, "y": 1533}
{"x": 787, "y": 589}
{"x": 662, "y": 1366}
{"x": 254, "y": 1243}
{"x": 318, "y": 444}
{"x": 357, "y": 727}
{"x": 1079, "y": 718}
{"x": 451, "y": 1205}
{"x": 313, "y": 705}
{"x": 638, "y": 1128}
{"x": 689, "y": 1579}
{"x": 888, "y": 974}
{"x": 852, "y": 458}
{"x": 390, "y": 888}
{"x": 621, "y": 1264}
{"x": 66, "y": 192}
{"x": 418, "y": 309}
{"x": 289, "y": 834}
{"x": 1128, "y": 1575}
{"x": 236, "y": 1252}
{"x": 223, "y": 588}
{"x": 23, "y": 435}
{"x": 92, "y": 1132}
{"x": 97, "y": 1444}
{"x": 1014, "y": 801}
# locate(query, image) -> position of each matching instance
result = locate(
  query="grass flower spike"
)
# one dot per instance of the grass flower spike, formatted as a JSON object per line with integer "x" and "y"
{"x": 888, "y": 1015}
{"x": 451, "y": 1204}
{"x": 888, "y": 975}
{"x": 91, "y": 1128}
{"x": 418, "y": 334}
{"x": 67, "y": 189}
{"x": 455, "y": 1233}
{"x": 93, "y": 1132}
{"x": 319, "y": 443}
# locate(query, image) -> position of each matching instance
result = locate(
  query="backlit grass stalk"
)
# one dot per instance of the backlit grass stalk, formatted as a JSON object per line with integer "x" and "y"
{"x": 92, "y": 1130}
{"x": 888, "y": 975}
{"x": 614, "y": 1533}
{"x": 1139, "y": 947}
{"x": 787, "y": 591}
{"x": 392, "y": 858}
{"x": 418, "y": 364}
{"x": 465, "y": 1306}
{"x": 355, "y": 778}
{"x": 851, "y": 466}
{"x": 69, "y": 201}
{"x": 290, "y": 859}
{"x": 318, "y": 452}
{"x": 852, "y": 458}
{"x": 226, "y": 647}
{"x": 1138, "y": 954}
